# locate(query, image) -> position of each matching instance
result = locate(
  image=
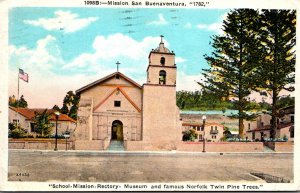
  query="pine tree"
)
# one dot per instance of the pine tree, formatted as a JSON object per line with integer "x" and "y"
{"x": 70, "y": 105}
{"x": 277, "y": 64}
{"x": 233, "y": 62}
{"x": 22, "y": 102}
{"x": 55, "y": 107}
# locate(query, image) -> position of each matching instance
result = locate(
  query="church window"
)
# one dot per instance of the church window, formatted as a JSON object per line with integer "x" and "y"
{"x": 117, "y": 103}
{"x": 15, "y": 121}
{"x": 162, "y": 77}
{"x": 162, "y": 61}
{"x": 117, "y": 76}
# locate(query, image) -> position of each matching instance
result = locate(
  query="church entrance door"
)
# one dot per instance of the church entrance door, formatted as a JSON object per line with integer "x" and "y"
{"x": 117, "y": 130}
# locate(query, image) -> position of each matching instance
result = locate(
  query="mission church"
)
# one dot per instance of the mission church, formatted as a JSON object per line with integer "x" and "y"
{"x": 117, "y": 111}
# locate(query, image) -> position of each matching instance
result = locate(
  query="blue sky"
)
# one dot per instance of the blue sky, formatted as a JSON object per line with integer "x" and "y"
{"x": 64, "y": 49}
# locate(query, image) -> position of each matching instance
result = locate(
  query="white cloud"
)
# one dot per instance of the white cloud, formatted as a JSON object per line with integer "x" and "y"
{"x": 63, "y": 20}
{"x": 161, "y": 21}
{"x": 188, "y": 25}
{"x": 46, "y": 55}
{"x": 188, "y": 82}
{"x": 217, "y": 26}
{"x": 105, "y": 51}
{"x": 201, "y": 26}
{"x": 180, "y": 60}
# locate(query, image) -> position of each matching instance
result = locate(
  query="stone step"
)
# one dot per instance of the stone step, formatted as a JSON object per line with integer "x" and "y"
{"x": 267, "y": 149}
{"x": 116, "y": 145}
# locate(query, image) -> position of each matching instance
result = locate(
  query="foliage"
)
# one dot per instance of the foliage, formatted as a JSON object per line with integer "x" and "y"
{"x": 284, "y": 139}
{"x": 56, "y": 108}
{"x": 200, "y": 100}
{"x": 233, "y": 62}
{"x": 70, "y": 105}
{"x": 189, "y": 135}
{"x": 276, "y": 71}
{"x": 285, "y": 101}
{"x": 42, "y": 123}
{"x": 51, "y": 136}
{"x": 16, "y": 131}
{"x": 12, "y": 101}
{"x": 255, "y": 54}
{"x": 226, "y": 134}
{"x": 238, "y": 140}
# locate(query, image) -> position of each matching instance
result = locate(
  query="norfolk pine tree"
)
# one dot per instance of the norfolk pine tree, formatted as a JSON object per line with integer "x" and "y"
{"x": 277, "y": 64}
{"x": 233, "y": 62}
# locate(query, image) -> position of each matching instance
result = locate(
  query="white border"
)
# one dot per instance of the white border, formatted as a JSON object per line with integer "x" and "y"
{"x": 213, "y": 4}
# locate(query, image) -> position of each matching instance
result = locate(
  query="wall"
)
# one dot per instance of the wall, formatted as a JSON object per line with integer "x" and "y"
{"x": 284, "y": 132}
{"x": 153, "y": 75}
{"x": 44, "y": 144}
{"x": 99, "y": 92}
{"x": 281, "y": 146}
{"x": 154, "y": 59}
{"x": 266, "y": 134}
{"x": 221, "y": 146}
{"x": 89, "y": 144}
{"x": 84, "y": 120}
{"x": 102, "y": 125}
{"x": 160, "y": 116}
{"x": 22, "y": 120}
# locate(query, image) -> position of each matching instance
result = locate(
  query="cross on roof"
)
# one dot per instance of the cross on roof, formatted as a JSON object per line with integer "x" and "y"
{"x": 161, "y": 40}
{"x": 118, "y": 63}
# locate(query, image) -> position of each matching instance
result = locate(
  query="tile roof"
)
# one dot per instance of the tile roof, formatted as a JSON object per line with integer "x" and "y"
{"x": 200, "y": 124}
{"x": 30, "y": 113}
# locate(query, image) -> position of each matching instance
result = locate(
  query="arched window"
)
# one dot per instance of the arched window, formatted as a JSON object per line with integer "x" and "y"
{"x": 162, "y": 77}
{"x": 162, "y": 61}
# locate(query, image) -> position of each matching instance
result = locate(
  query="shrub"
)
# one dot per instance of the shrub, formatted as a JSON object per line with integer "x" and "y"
{"x": 189, "y": 135}
{"x": 16, "y": 131}
{"x": 238, "y": 140}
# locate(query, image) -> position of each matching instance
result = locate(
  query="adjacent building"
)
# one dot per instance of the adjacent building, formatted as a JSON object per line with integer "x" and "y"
{"x": 260, "y": 129}
{"x": 24, "y": 117}
{"x": 213, "y": 131}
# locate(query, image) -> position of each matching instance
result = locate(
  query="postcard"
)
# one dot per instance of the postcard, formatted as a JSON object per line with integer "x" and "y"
{"x": 143, "y": 95}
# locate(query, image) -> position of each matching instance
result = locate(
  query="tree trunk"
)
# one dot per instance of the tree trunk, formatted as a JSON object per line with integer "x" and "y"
{"x": 274, "y": 115}
{"x": 241, "y": 128}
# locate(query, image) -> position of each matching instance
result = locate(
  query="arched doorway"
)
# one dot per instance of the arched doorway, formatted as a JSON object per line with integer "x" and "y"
{"x": 117, "y": 130}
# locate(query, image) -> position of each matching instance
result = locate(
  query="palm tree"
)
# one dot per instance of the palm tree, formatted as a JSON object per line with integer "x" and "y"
{"x": 42, "y": 123}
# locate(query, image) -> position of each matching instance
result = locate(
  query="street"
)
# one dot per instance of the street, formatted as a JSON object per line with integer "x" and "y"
{"x": 46, "y": 166}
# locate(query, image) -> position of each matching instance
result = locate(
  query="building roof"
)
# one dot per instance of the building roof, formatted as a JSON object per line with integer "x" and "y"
{"x": 30, "y": 113}
{"x": 106, "y": 78}
{"x": 161, "y": 48}
{"x": 200, "y": 124}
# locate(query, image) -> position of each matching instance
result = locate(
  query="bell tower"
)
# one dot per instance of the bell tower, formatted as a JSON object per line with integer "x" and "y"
{"x": 161, "y": 68}
{"x": 160, "y": 115}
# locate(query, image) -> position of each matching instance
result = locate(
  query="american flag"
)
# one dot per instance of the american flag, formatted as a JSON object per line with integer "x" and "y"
{"x": 23, "y": 75}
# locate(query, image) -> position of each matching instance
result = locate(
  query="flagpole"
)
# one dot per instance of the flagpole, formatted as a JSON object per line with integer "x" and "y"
{"x": 18, "y": 97}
